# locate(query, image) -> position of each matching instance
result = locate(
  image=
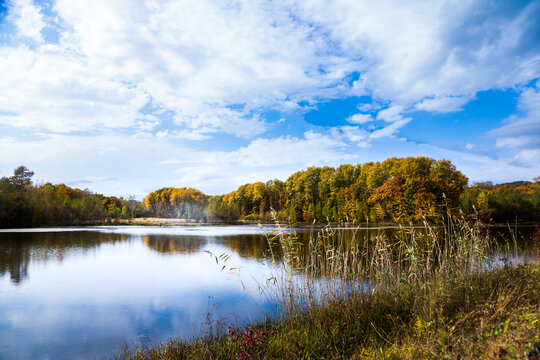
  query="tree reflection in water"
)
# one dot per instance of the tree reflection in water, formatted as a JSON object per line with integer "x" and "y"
{"x": 175, "y": 244}
{"x": 19, "y": 249}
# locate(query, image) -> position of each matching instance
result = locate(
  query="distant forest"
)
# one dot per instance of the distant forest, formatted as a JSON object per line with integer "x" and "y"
{"x": 397, "y": 190}
{"x": 23, "y": 204}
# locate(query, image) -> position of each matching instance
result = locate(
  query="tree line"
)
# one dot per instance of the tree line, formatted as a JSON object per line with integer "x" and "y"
{"x": 395, "y": 190}
{"x": 505, "y": 202}
{"x": 24, "y": 204}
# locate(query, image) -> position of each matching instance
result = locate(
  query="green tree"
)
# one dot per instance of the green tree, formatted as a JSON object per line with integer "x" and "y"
{"x": 22, "y": 176}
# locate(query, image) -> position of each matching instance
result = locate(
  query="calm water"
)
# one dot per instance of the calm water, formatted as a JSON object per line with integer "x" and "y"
{"x": 80, "y": 293}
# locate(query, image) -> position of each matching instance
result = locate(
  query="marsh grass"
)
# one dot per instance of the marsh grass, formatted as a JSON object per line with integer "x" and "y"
{"x": 332, "y": 267}
{"x": 424, "y": 293}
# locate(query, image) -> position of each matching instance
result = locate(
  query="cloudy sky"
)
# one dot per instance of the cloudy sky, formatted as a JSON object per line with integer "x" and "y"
{"x": 127, "y": 96}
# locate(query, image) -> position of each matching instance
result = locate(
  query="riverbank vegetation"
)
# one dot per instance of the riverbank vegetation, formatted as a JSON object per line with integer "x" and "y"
{"x": 182, "y": 203}
{"x": 410, "y": 189}
{"x": 505, "y": 202}
{"x": 397, "y": 190}
{"x": 24, "y": 204}
{"x": 422, "y": 295}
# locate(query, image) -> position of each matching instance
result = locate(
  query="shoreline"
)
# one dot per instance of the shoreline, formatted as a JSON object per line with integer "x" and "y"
{"x": 171, "y": 222}
{"x": 484, "y": 316}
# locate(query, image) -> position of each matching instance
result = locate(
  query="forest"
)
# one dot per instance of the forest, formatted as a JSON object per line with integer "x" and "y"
{"x": 23, "y": 204}
{"x": 397, "y": 190}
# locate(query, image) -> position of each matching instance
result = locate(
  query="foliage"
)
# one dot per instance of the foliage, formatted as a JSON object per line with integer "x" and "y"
{"x": 21, "y": 176}
{"x": 186, "y": 203}
{"x": 250, "y": 201}
{"x": 25, "y": 204}
{"x": 504, "y": 203}
{"x": 252, "y": 343}
{"x": 399, "y": 190}
{"x": 536, "y": 239}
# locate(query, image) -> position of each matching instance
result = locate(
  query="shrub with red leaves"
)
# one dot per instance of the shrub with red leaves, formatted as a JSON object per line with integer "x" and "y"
{"x": 536, "y": 239}
{"x": 253, "y": 343}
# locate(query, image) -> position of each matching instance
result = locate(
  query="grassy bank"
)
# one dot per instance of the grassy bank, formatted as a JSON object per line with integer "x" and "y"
{"x": 420, "y": 295}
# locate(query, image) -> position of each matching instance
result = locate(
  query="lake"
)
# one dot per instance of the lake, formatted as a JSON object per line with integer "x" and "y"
{"x": 85, "y": 293}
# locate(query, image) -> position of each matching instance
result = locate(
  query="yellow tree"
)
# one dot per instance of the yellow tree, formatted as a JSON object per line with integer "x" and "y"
{"x": 391, "y": 199}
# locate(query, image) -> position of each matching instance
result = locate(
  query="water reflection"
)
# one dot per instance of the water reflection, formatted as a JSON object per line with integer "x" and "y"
{"x": 174, "y": 244}
{"x": 80, "y": 293}
{"x": 248, "y": 246}
{"x": 18, "y": 249}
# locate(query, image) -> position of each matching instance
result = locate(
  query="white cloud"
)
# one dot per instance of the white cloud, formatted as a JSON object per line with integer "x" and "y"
{"x": 50, "y": 89}
{"x": 443, "y": 104}
{"x": 373, "y": 106}
{"x": 360, "y": 118}
{"x": 28, "y": 19}
{"x": 212, "y": 119}
{"x": 391, "y": 129}
{"x": 354, "y": 134}
{"x": 391, "y": 114}
{"x": 519, "y": 139}
{"x": 198, "y": 134}
{"x": 513, "y": 142}
{"x": 314, "y": 148}
{"x": 485, "y": 168}
{"x": 100, "y": 161}
{"x": 201, "y": 59}
{"x": 530, "y": 156}
{"x": 193, "y": 69}
{"x": 170, "y": 162}
{"x": 436, "y": 48}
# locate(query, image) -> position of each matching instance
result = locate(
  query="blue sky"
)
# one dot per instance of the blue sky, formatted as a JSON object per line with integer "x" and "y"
{"x": 126, "y": 96}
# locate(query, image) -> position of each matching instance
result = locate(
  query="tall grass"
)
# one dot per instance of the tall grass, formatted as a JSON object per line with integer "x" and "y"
{"x": 332, "y": 267}
{"x": 429, "y": 292}
{"x": 336, "y": 294}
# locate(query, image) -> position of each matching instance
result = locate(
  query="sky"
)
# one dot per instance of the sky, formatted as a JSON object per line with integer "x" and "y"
{"x": 127, "y": 96}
